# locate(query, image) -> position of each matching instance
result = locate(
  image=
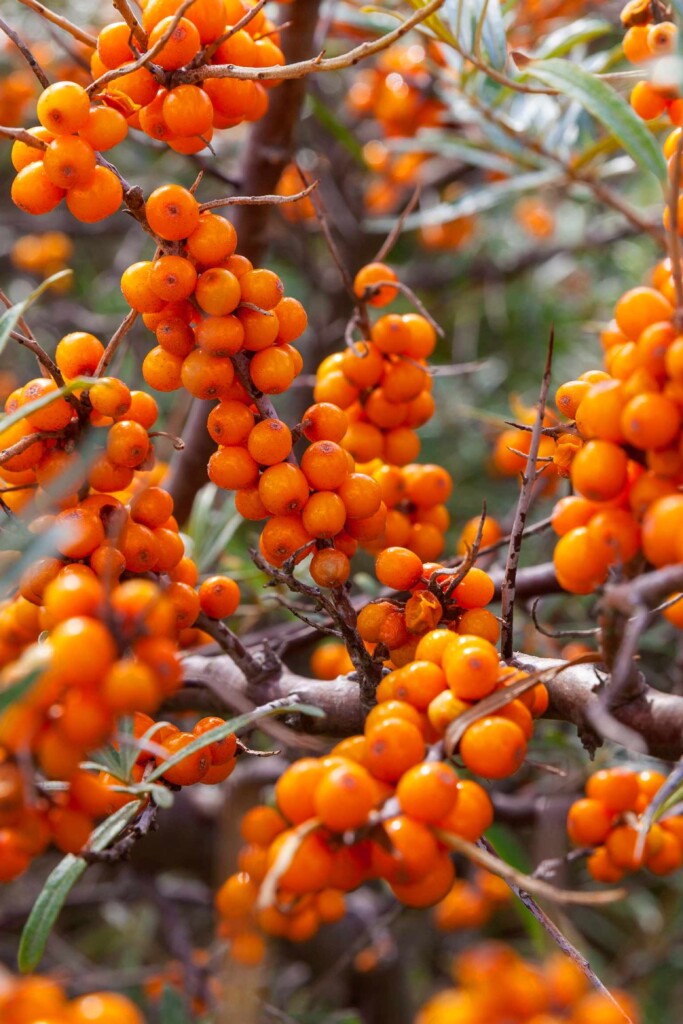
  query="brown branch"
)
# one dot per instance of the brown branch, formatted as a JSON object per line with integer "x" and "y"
{"x": 61, "y": 22}
{"x": 302, "y": 68}
{"x": 521, "y": 512}
{"x": 21, "y": 446}
{"x": 114, "y": 342}
{"x": 268, "y": 200}
{"x": 126, "y": 12}
{"x": 26, "y": 53}
{"x": 21, "y": 135}
{"x": 258, "y": 670}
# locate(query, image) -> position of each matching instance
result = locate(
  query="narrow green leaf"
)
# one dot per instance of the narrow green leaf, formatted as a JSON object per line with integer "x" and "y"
{"x": 60, "y": 883}
{"x": 583, "y": 30}
{"x": 15, "y": 691}
{"x": 233, "y": 725}
{"x": 606, "y": 106}
{"x": 11, "y": 317}
{"x": 39, "y": 403}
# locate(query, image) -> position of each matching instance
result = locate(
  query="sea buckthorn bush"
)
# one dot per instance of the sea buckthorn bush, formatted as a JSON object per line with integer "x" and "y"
{"x": 314, "y": 271}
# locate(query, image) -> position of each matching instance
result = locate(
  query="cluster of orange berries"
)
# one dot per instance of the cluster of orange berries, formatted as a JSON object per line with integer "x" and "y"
{"x": 42, "y": 255}
{"x": 495, "y": 985}
{"x": 398, "y": 90}
{"x": 376, "y": 806}
{"x": 185, "y": 115}
{"x": 628, "y": 468}
{"x": 38, "y": 999}
{"x": 433, "y": 601}
{"x": 646, "y": 39}
{"x": 471, "y": 903}
{"x": 64, "y": 163}
{"x": 607, "y": 818}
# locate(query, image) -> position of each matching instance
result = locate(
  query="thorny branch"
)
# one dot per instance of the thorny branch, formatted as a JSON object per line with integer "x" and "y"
{"x": 523, "y": 504}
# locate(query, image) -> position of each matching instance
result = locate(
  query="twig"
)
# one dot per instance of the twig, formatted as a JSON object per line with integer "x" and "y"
{"x": 121, "y": 849}
{"x": 63, "y": 23}
{"x": 523, "y": 504}
{"x": 395, "y": 233}
{"x": 126, "y": 12}
{"x": 114, "y": 342}
{"x": 556, "y": 935}
{"x": 499, "y": 867}
{"x": 273, "y": 200}
{"x": 372, "y": 289}
{"x": 257, "y": 671}
{"x": 26, "y": 53}
{"x": 316, "y": 64}
{"x": 21, "y": 135}
{"x": 21, "y": 446}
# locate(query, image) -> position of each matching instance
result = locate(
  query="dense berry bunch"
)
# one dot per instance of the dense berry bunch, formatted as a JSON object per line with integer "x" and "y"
{"x": 627, "y": 468}
{"x": 185, "y": 115}
{"x": 378, "y": 804}
{"x": 65, "y": 164}
{"x": 37, "y": 1000}
{"x": 494, "y": 985}
{"x": 608, "y": 819}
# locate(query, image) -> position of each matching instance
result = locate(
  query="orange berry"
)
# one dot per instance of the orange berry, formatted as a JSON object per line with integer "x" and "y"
{"x": 493, "y": 747}
{"x": 367, "y": 280}
{"x": 428, "y": 792}
{"x": 398, "y": 568}
{"x": 63, "y": 108}
{"x": 344, "y": 797}
{"x": 219, "y": 597}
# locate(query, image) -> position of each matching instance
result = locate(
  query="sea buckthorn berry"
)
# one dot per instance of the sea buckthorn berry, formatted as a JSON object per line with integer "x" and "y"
{"x": 105, "y": 127}
{"x": 428, "y": 792}
{"x": 172, "y": 212}
{"x": 272, "y": 371}
{"x": 324, "y": 514}
{"x": 662, "y": 526}
{"x": 33, "y": 192}
{"x": 330, "y": 568}
{"x": 69, "y": 161}
{"x": 640, "y": 307}
{"x": 183, "y": 44}
{"x": 325, "y": 465}
{"x": 310, "y": 868}
{"x": 191, "y": 768}
{"x": 283, "y": 489}
{"x": 213, "y": 240}
{"x": 471, "y": 667}
{"x": 219, "y": 597}
{"x": 361, "y": 494}
{"x": 97, "y": 198}
{"x": 589, "y": 821}
{"x": 285, "y": 537}
{"x": 398, "y": 568}
{"x": 262, "y": 288}
{"x": 172, "y": 278}
{"x": 394, "y": 746}
{"x": 475, "y": 590}
{"x": 493, "y": 747}
{"x": 270, "y": 442}
{"x": 344, "y": 797}
{"x": 220, "y": 751}
{"x": 206, "y": 376}
{"x": 110, "y": 397}
{"x": 233, "y": 468}
{"x": 63, "y": 108}
{"x": 366, "y": 281}
{"x": 127, "y": 444}
{"x": 324, "y": 422}
{"x": 650, "y": 421}
{"x": 295, "y": 789}
{"x": 646, "y": 102}
{"x": 187, "y": 110}
{"x": 599, "y": 470}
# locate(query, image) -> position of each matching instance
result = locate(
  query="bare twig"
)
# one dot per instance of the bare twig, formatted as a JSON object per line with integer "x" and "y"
{"x": 26, "y": 53}
{"x": 523, "y": 504}
{"x": 128, "y": 15}
{"x": 395, "y": 233}
{"x": 272, "y": 200}
{"x": 114, "y": 342}
{"x": 316, "y": 64}
{"x": 673, "y": 237}
{"x": 61, "y": 22}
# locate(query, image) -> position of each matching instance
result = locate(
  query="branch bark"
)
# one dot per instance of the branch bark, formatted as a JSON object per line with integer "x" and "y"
{"x": 215, "y": 683}
{"x": 268, "y": 150}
